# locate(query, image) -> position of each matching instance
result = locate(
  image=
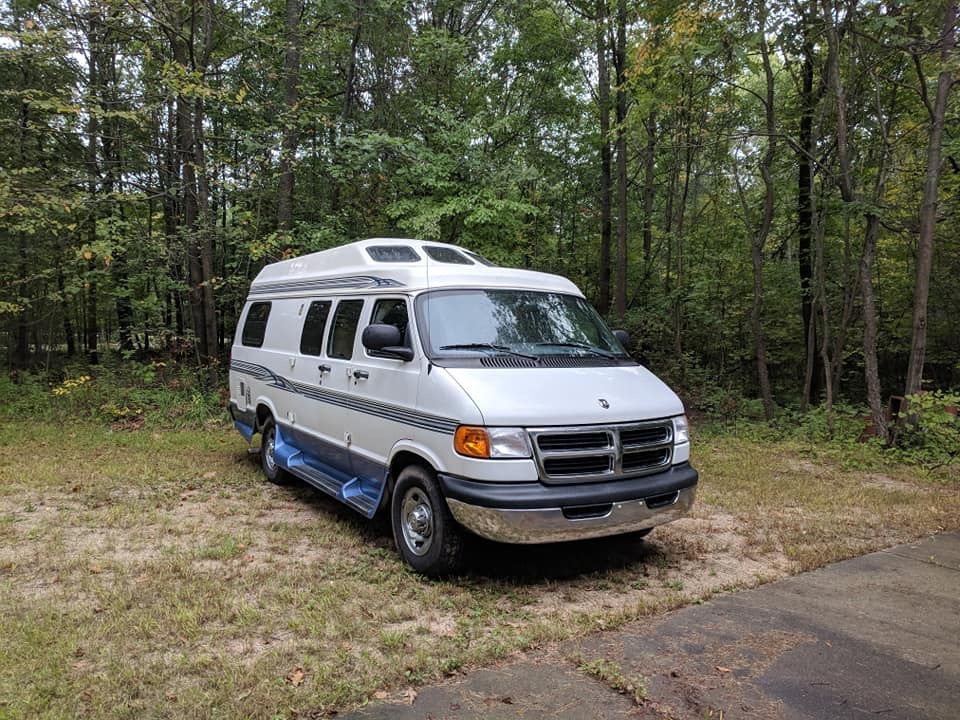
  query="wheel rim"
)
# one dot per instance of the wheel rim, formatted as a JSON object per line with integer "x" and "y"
{"x": 416, "y": 521}
{"x": 269, "y": 446}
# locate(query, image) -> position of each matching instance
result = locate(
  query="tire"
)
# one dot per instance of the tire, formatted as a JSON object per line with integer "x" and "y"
{"x": 428, "y": 538}
{"x": 273, "y": 472}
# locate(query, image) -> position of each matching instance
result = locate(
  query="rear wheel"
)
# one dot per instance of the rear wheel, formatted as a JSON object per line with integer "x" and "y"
{"x": 427, "y": 536}
{"x": 268, "y": 458}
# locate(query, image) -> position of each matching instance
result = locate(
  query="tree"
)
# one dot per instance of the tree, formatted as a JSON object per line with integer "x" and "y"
{"x": 928, "y": 209}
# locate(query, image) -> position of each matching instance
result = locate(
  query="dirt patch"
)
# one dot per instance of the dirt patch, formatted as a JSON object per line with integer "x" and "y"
{"x": 885, "y": 482}
{"x": 690, "y": 559}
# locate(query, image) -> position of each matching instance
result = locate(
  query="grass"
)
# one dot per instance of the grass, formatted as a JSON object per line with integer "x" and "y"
{"x": 152, "y": 573}
{"x": 611, "y": 674}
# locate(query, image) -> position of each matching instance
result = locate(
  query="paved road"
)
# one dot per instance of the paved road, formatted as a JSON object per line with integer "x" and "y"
{"x": 873, "y": 637}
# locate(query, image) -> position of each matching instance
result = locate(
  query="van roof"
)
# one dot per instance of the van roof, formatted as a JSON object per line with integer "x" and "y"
{"x": 380, "y": 264}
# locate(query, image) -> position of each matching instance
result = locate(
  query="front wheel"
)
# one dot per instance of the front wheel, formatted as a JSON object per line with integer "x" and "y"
{"x": 427, "y": 536}
{"x": 268, "y": 460}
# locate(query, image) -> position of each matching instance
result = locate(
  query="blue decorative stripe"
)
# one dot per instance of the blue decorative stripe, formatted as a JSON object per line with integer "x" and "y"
{"x": 355, "y": 282}
{"x": 395, "y": 413}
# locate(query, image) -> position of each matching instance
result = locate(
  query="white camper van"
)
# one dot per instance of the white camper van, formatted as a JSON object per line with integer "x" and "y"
{"x": 417, "y": 378}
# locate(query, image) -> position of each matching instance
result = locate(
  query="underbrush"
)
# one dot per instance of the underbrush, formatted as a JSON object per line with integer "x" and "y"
{"x": 928, "y": 440}
{"x": 124, "y": 395}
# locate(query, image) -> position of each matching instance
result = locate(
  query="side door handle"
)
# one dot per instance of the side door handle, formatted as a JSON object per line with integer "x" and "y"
{"x": 323, "y": 368}
{"x": 360, "y": 374}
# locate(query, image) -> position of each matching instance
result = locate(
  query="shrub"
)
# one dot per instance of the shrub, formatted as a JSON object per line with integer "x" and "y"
{"x": 930, "y": 435}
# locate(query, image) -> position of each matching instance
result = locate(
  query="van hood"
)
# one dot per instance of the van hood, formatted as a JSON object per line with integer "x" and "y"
{"x": 539, "y": 397}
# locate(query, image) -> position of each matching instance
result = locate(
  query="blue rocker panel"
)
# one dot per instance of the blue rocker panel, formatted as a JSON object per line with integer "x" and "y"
{"x": 353, "y": 480}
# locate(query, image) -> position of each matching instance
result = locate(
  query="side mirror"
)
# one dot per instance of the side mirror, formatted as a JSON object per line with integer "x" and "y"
{"x": 624, "y": 338}
{"x": 385, "y": 339}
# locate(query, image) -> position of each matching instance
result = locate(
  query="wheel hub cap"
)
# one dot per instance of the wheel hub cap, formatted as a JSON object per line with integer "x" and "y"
{"x": 417, "y": 514}
{"x": 268, "y": 453}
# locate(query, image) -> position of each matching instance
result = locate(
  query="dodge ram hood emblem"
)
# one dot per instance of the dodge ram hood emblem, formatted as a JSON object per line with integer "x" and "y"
{"x": 603, "y": 403}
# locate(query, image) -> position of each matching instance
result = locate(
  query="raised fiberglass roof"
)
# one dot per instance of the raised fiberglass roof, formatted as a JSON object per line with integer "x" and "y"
{"x": 378, "y": 264}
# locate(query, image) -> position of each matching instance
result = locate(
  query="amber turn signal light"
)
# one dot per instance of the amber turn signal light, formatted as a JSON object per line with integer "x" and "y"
{"x": 472, "y": 441}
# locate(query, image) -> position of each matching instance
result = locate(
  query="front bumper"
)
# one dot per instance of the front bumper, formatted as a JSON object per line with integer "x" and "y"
{"x": 527, "y": 513}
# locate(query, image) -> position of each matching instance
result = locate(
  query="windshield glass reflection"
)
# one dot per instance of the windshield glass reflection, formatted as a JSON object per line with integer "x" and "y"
{"x": 475, "y": 322}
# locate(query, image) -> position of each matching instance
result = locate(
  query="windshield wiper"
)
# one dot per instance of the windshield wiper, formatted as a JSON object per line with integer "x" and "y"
{"x": 581, "y": 346}
{"x": 488, "y": 346}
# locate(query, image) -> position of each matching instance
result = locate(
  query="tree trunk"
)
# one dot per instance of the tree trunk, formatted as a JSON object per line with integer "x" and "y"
{"x": 649, "y": 165}
{"x": 760, "y": 239}
{"x": 620, "y": 60}
{"x": 347, "y": 109}
{"x": 21, "y": 349}
{"x": 93, "y": 133}
{"x": 206, "y": 230}
{"x": 870, "y": 327}
{"x": 928, "y": 210}
{"x": 603, "y": 100}
{"x": 291, "y": 134}
{"x": 805, "y": 217}
{"x": 196, "y": 194}
{"x": 65, "y": 309}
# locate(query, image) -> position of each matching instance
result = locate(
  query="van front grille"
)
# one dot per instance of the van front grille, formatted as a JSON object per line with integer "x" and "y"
{"x": 578, "y": 465}
{"x": 587, "y": 453}
{"x": 644, "y": 459}
{"x": 575, "y": 441}
{"x": 644, "y": 435}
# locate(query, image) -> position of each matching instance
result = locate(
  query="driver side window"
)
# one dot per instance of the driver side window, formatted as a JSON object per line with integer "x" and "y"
{"x": 393, "y": 311}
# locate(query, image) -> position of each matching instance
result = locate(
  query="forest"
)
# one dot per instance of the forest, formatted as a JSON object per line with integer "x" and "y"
{"x": 765, "y": 195}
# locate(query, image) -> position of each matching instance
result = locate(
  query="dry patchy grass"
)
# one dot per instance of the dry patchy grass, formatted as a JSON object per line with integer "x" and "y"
{"x": 154, "y": 574}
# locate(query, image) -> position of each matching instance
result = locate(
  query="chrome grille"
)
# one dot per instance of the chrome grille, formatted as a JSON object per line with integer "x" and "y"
{"x": 606, "y": 452}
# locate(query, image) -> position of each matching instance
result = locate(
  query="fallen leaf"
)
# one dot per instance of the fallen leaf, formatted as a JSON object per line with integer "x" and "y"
{"x": 210, "y": 475}
{"x": 409, "y": 695}
{"x": 295, "y": 677}
{"x": 380, "y": 695}
{"x": 721, "y": 668}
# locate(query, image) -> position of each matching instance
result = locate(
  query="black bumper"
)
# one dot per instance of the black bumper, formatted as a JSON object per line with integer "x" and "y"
{"x": 531, "y": 496}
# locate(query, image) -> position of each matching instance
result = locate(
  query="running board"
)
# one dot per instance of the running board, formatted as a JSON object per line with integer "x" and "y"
{"x": 355, "y": 492}
{"x": 361, "y": 493}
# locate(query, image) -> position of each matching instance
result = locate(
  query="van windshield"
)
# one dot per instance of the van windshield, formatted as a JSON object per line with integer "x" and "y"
{"x": 473, "y": 323}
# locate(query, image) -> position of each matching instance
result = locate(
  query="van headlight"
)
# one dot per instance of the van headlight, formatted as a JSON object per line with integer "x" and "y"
{"x": 487, "y": 442}
{"x": 681, "y": 431}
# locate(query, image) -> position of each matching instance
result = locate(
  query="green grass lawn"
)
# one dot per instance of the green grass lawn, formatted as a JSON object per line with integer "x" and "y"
{"x": 153, "y": 573}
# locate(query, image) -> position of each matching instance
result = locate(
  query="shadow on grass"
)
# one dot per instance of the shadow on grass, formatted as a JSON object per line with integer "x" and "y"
{"x": 485, "y": 559}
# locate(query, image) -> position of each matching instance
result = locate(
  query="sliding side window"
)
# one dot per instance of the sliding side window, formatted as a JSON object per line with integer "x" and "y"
{"x": 311, "y": 339}
{"x": 344, "y": 329}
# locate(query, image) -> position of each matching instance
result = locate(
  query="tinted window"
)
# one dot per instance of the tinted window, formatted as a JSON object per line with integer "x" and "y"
{"x": 393, "y": 253}
{"x": 446, "y": 255}
{"x": 316, "y": 320}
{"x": 344, "y": 328}
{"x": 255, "y": 326}
{"x": 392, "y": 312}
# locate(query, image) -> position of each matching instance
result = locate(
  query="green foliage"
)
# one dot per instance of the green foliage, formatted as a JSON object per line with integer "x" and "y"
{"x": 930, "y": 435}
{"x": 476, "y": 124}
{"x": 127, "y": 396}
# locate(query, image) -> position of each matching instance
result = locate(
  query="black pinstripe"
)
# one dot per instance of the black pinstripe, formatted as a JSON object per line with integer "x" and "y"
{"x": 350, "y": 402}
{"x": 356, "y": 282}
